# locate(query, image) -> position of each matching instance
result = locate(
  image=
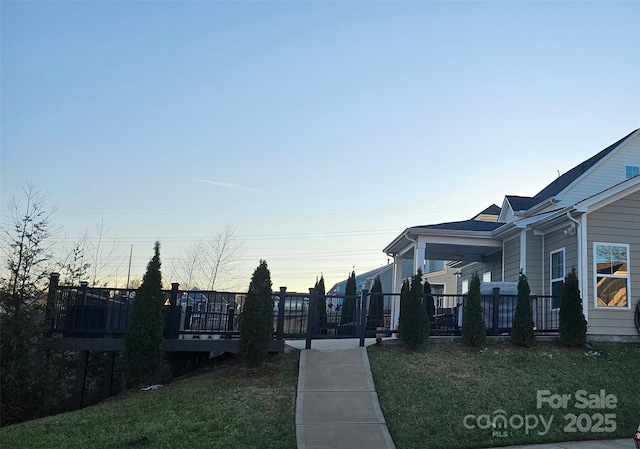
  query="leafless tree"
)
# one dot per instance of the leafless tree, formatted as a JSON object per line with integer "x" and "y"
{"x": 225, "y": 247}
{"x": 211, "y": 263}
{"x": 101, "y": 255}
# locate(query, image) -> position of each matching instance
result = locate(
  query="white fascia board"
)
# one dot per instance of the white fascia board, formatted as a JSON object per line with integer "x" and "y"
{"x": 465, "y": 238}
{"x": 389, "y": 248}
{"x": 504, "y": 211}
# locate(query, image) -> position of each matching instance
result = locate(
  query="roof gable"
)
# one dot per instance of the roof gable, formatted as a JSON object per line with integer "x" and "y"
{"x": 564, "y": 181}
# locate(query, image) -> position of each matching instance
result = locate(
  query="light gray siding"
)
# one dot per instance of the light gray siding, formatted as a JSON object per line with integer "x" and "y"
{"x": 618, "y": 222}
{"x": 534, "y": 270}
{"x": 610, "y": 172}
{"x": 493, "y": 263}
{"x": 512, "y": 260}
{"x": 553, "y": 242}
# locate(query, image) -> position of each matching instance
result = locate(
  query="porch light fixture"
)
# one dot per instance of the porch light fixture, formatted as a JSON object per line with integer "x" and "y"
{"x": 571, "y": 230}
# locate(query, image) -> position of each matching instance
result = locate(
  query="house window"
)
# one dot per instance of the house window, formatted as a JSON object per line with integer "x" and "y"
{"x": 556, "y": 269}
{"x": 631, "y": 171}
{"x": 611, "y": 262}
{"x": 486, "y": 277}
{"x": 465, "y": 287}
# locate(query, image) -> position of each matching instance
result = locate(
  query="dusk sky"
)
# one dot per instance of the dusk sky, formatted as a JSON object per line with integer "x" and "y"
{"x": 321, "y": 130}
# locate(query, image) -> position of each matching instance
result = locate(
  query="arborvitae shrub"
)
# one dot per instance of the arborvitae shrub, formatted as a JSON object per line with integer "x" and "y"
{"x": 413, "y": 322}
{"x": 321, "y": 309}
{"x": 256, "y": 318}
{"x": 429, "y": 304}
{"x": 143, "y": 340}
{"x": 349, "y": 304}
{"x": 573, "y": 325}
{"x": 522, "y": 332}
{"x": 375, "y": 318}
{"x": 474, "y": 331}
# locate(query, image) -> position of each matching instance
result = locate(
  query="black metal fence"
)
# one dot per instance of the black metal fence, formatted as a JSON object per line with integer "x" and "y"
{"x": 498, "y": 312}
{"x": 104, "y": 312}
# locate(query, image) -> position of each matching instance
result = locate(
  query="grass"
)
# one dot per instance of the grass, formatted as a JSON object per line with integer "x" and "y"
{"x": 425, "y": 396}
{"x": 226, "y": 407}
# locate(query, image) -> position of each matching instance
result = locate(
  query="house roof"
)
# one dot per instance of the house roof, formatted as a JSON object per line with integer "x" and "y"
{"x": 519, "y": 203}
{"x": 491, "y": 210}
{"x": 561, "y": 183}
{"x": 466, "y": 225}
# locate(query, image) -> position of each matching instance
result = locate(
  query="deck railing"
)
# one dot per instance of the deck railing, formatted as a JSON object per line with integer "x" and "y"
{"x": 104, "y": 312}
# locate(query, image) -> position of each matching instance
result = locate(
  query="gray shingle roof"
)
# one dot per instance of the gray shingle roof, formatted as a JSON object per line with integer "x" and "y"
{"x": 521, "y": 202}
{"x": 467, "y": 225}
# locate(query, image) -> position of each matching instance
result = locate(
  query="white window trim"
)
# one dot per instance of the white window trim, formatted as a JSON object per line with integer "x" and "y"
{"x": 484, "y": 275}
{"x": 613, "y": 276}
{"x": 564, "y": 271}
{"x": 464, "y": 284}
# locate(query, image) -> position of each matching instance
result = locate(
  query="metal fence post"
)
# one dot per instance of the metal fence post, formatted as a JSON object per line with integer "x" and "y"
{"x": 173, "y": 298}
{"x": 363, "y": 315}
{"x": 280, "y": 323}
{"x": 311, "y": 317}
{"x": 496, "y": 310}
{"x": 50, "y": 310}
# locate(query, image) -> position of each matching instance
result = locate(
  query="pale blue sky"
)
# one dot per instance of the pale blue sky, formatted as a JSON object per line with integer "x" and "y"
{"x": 320, "y": 129}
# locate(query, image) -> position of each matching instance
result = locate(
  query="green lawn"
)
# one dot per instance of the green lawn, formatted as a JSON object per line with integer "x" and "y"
{"x": 228, "y": 407}
{"x": 425, "y": 396}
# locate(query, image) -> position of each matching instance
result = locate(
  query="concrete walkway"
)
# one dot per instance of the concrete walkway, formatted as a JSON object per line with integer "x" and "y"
{"x": 337, "y": 405}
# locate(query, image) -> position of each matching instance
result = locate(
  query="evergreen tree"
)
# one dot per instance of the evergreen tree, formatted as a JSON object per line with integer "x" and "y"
{"x": 376, "y": 305}
{"x": 474, "y": 331}
{"x": 522, "y": 332}
{"x": 429, "y": 304}
{"x": 573, "y": 325}
{"x": 349, "y": 304}
{"x": 256, "y": 319}
{"x": 143, "y": 340}
{"x": 321, "y": 304}
{"x": 413, "y": 323}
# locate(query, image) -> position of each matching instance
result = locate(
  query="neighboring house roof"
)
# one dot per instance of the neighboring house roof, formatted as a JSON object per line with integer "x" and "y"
{"x": 491, "y": 210}
{"x": 360, "y": 278}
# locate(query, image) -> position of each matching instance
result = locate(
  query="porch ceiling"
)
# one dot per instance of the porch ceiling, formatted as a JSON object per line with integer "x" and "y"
{"x": 465, "y": 253}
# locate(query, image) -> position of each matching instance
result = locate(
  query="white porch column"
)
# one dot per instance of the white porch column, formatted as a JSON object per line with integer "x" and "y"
{"x": 418, "y": 255}
{"x": 395, "y": 300}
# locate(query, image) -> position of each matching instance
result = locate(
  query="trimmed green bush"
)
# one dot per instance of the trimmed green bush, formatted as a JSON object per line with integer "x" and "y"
{"x": 413, "y": 325}
{"x": 375, "y": 318}
{"x": 522, "y": 332}
{"x": 474, "y": 331}
{"x": 143, "y": 340}
{"x": 429, "y": 304}
{"x": 572, "y": 325}
{"x": 348, "y": 314}
{"x": 256, "y": 318}
{"x": 321, "y": 304}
